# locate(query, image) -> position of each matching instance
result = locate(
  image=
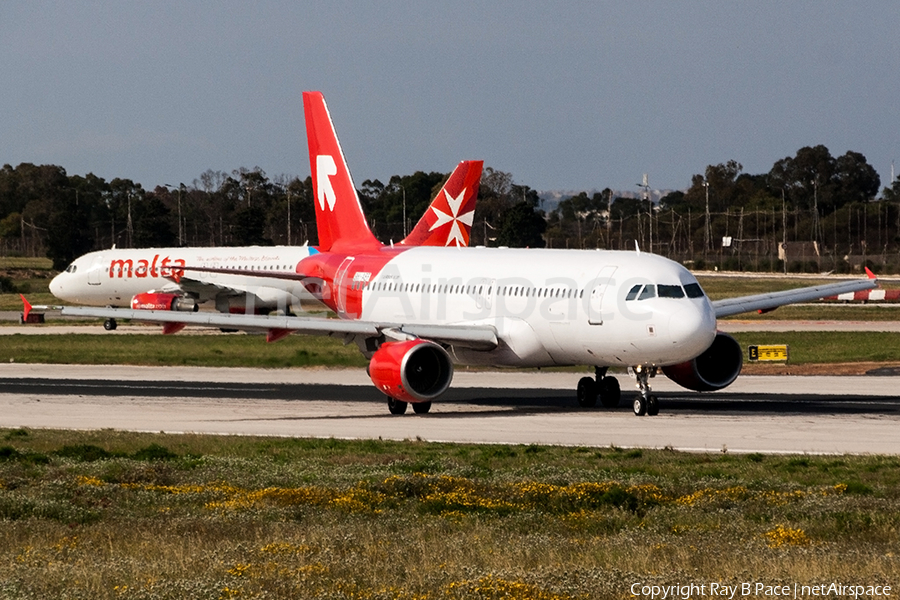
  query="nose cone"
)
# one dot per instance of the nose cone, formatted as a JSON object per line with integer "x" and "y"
{"x": 693, "y": 328}
{"x": 58, "y": 286}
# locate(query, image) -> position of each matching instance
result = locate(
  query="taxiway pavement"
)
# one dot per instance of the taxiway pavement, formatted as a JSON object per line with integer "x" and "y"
{"x": 854, "y": 414}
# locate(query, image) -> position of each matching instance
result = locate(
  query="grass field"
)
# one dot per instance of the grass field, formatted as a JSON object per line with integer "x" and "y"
{"x": 29, "y": 276}
{"x": 239, "y": 350}
{"x": 20, "y": 262}
{"x": 126, "y": 515}
{"x": 214, "y": 350}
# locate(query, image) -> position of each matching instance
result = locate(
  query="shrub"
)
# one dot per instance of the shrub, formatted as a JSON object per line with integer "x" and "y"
{"x": 154, "y": 452}
{"x": 83, "y": 453}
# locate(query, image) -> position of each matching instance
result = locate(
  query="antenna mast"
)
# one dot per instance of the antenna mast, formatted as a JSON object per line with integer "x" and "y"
{"x": 645, "y": 185}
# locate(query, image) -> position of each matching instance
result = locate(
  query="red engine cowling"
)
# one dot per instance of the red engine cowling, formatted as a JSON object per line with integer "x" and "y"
{"x": 714, "y": 369}
{"x": 163, "y": 301}
{"x": 411, "y": 371}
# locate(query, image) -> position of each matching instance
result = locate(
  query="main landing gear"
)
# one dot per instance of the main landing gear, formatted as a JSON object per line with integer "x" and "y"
{"x": 606, "y": 388}
{"x": 645, "y": 403}
{"x": 398, "y": 407}
{"x": 110, "y": 324}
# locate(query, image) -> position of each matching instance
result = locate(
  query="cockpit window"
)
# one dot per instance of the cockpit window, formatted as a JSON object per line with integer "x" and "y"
{"x": 71, "y": 268}
{"x": 670, "y": 291}
{"x": 693, "y": 290}
{"x": 662, "y": 290}
{"x": 649, "y": 291}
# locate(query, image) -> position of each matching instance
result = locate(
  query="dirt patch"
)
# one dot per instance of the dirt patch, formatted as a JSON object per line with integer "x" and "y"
{"x": 859, "y": 368}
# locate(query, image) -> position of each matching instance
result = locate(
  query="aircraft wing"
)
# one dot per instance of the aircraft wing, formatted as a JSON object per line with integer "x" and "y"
{"x": 204, "y": 289}
{"x": 771, "y": 301}
{"x": 232, "y": 286}
{"x": 479, "y": 337}
{"x": 262, "y": 275}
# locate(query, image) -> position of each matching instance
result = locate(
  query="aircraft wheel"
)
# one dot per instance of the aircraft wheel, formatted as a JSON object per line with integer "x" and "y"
{"x": 421, "y": 408}
{"x": 652, "y": 406}
{"x": 610, "y": 392}
{"x": 396, "y": 406}
{"x": 586, "y": 392}
{"x": 110, "y": 324}
{"x": 640, "y": 406}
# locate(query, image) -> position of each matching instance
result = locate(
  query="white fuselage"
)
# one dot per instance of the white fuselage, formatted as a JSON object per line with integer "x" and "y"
{"x": 112, "y": 277}
{"x": 549, "y": 307}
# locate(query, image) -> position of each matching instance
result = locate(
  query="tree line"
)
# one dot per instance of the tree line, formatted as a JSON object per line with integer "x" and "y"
{"x": 45, "y": 212}
{"x": 725, "y": 217}
{"x": 810, "y": 212}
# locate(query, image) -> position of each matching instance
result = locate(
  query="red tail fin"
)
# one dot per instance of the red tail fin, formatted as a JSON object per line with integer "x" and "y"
{"x": 339, "y": 216}
{"x": 448, "y": 220}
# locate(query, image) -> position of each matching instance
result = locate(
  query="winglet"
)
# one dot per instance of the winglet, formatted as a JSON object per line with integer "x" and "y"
{"x": 448, "y": 220}
{"x": 870, "y": 274}
{"x": 27, "y": 308}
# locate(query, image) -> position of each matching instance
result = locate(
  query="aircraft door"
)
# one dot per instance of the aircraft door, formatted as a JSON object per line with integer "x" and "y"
{"x": 601, "y": 284}
{"x": 484, "y": 294}
{"x": 339, "y": 289}
{"x": 95, "y": 271}
{"x": 489, "y": 292}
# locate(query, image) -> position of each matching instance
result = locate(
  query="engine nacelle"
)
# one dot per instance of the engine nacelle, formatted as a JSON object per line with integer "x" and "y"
{"x": 411, "y": 371}
{"x": 163, "y": 301}
{"x": 714, "y": 369}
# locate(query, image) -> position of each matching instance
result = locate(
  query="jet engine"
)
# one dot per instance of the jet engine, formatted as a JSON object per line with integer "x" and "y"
{"x": 411, "y": 371}
{"x": 163, "y": 301}
{"x": 714, "y": 369}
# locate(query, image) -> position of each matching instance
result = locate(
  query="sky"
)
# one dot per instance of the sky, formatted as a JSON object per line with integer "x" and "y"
{"x": 562, "y": 95}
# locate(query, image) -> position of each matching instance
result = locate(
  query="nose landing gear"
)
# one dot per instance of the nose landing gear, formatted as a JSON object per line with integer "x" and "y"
{"x": 645, "y": 403}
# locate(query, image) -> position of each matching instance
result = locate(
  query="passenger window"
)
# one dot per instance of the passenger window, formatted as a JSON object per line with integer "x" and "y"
{"x": 632, "y": 293}
{"x": 649, "y": 291}
{"x": 693, "y": 290}
{"x": 670, "y": 291}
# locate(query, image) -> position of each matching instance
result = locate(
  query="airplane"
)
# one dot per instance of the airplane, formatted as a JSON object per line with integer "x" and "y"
{"x": 417, "y": 311}
{"x": 156, "y": 278}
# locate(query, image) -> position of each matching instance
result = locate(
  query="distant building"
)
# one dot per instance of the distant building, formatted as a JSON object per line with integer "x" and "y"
{"x": 798, "y": 251}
